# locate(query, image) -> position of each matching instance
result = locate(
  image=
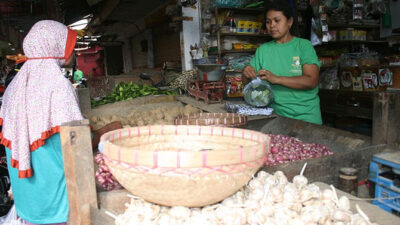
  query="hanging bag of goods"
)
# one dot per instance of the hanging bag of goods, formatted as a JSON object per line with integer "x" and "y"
{"x": 258, "y": 93}
{"x": 189, "y": 166}
{"x": 213, "y": 119}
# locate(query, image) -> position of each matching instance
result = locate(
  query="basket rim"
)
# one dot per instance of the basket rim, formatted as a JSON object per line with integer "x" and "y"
{"x": 189, "y": 159}
{"x": 202, "y": 114}
{"x": 213, "y": 119}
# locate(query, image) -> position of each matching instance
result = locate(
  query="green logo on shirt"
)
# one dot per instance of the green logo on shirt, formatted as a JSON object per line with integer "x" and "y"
{"x": 296, "y": 66}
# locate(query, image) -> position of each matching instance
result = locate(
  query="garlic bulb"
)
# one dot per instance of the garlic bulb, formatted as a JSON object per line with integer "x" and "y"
{"x": 300, "y": 181}
{"x": 266, "y": 200}
{"x": 281, "y": 178}
{"x": 341, "y": 215}
{"x": 179, "y": 212}
{"x": 344, "y": 203}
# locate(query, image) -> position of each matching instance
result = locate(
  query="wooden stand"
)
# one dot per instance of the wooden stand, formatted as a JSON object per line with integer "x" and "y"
{"x": 386, "y": 119}
{"x": 80, "y": 177}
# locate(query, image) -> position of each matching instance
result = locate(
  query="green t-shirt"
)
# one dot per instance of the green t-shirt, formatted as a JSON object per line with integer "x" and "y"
{"x": 287, "y": 59}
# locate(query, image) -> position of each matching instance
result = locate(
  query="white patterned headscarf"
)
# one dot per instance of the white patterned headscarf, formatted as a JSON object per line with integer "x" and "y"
{"x": 39, "y": 98}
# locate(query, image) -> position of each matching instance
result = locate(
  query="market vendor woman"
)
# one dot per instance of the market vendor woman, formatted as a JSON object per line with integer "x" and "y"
{"x": 38, "y": 100}
{"x": 290, "y": 65}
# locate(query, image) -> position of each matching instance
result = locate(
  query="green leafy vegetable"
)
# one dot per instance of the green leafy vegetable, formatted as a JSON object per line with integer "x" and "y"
{"x": 127, "y": 91}
{"x": 258, "y": 93}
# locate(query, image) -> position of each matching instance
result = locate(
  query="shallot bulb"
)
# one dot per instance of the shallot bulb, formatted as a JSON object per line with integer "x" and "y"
{"x": 288, "y": 149}
{"x": 104, "y": 176}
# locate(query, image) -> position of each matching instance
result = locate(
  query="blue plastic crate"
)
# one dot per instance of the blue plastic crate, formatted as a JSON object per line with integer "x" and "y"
{"x": 387, "y": 204}
{"x": 384, "y": 172}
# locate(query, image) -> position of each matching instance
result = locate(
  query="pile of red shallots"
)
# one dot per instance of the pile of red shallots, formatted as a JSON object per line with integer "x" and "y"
{"x": 104, "y": 176}
{"x": 288, "y": 149}
{"x": 284, "y": 149}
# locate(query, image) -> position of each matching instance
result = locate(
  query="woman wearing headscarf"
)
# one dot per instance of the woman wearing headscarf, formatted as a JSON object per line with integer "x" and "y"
{"x": 38, "y": 100}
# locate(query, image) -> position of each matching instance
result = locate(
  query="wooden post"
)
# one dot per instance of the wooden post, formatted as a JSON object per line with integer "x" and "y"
{"x": 79, "y": 171}
{"x": 386, "y": 118}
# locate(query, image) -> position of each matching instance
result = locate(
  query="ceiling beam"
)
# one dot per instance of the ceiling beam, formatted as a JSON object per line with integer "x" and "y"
{"x": 92, "y": 2}
{"x": 105, "y": 11}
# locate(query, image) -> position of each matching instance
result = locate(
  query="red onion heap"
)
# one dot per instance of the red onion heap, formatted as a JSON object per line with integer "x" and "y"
{"x": 286, "y": 149}
{"x": 104, "y": 176}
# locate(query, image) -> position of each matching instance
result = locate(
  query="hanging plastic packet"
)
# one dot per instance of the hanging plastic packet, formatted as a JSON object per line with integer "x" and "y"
{"x": 258, "y": 93}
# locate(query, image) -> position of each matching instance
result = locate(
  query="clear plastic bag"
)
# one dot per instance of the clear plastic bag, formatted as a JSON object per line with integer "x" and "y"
{"x": 258, "y": 93}
{"x": 12, "y": 218}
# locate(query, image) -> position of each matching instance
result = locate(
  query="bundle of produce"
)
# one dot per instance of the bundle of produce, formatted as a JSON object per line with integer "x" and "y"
{"x": 161, "y": 116}
{"x": 179, "y": 81}
{"x": 288, "y": 149}
{"x": 104, "y": 176}
{"x": 127, "y": 91}
{"x": 267, "y": 199}
{"x": 258, "y": 93}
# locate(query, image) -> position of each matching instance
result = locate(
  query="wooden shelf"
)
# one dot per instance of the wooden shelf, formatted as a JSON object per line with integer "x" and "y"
{"x": 245, "y": 35}
{"x": 252, "y": 11}
{"x": 240, "y": 51}
{"x": 358, "y": 26}
{"x": 350, "y": 103}
{"x": 233, "y": 51}
{"x": 351, "y": 42}
{"x": 244, "y": 10}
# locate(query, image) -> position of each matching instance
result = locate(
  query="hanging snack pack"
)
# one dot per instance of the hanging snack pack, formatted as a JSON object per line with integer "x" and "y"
{"x": 385, "y": 77}
{"x": 370, "y": 80}
{"x": 258, "y": 93}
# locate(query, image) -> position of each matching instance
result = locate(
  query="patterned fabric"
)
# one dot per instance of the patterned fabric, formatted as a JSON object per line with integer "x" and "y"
{"x": 248, "y": 110}
{"x": 40, "y": 98}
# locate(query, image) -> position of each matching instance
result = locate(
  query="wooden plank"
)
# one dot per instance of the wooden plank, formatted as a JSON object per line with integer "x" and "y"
{"x": 386, "y": 119}
{"x": 214, "y": 108}
{"x": 393, "y": 133}
{"x": 84, "y": 100}
{"x": 374, "y": 213}
{"x": 79, "y": 171}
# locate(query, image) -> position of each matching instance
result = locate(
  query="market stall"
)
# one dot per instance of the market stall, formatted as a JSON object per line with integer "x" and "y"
{"x": 90, "y": 205}
{"x": 349, "y": 150}
{"x": 184, "y": 125}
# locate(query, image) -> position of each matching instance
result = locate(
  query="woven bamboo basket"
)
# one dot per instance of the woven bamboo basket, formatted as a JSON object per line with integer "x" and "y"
{"x": 189, "y": 166}
{"x": 213, "y": 119}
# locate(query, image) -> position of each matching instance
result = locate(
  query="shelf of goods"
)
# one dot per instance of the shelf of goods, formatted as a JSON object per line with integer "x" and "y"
{"x": 221, "y": 35}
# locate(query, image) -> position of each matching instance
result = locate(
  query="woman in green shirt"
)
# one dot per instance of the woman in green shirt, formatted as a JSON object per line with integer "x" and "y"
{"x": 290, "y": 65}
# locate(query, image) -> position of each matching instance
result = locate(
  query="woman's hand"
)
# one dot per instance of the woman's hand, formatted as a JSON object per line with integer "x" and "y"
{"x": 267, "y": 75}
{"x": 249, "y": 72}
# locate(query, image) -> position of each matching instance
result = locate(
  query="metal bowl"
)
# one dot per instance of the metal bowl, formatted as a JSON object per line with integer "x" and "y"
{"x": 210, "y": 72}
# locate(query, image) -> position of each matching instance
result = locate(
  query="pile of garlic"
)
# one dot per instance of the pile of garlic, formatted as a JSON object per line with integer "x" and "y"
{"x": 267, "y": 199}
